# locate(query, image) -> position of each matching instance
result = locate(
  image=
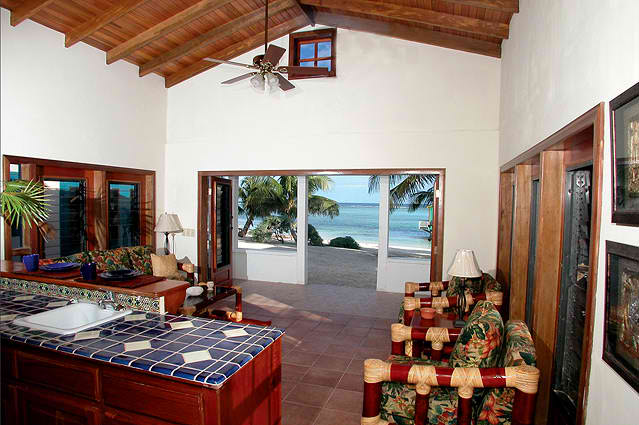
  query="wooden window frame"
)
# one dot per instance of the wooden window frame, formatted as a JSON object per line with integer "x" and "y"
{"x": 97, "y": 178}
{"x": 297, "y": 39}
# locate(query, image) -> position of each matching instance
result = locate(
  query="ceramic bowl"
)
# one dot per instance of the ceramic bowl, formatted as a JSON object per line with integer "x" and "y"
{"x": 194, "y": 291}
{"x": 427, "y": 313}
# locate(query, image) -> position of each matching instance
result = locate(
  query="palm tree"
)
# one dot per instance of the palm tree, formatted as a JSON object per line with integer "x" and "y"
{"x": 24, "y": 201}
{"x": 416, "y": 190}
{"x": 257, "y": 199}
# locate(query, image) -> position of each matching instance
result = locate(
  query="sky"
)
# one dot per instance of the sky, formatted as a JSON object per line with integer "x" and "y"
{"x": 350, "y": 189}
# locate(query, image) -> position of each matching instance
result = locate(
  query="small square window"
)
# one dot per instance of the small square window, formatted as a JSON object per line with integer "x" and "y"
{"x": 313, "y": 49}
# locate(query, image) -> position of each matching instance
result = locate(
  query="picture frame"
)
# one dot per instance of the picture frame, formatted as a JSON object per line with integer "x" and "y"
{"x": 621, "y": 326}
{"x": 624, "y": 135}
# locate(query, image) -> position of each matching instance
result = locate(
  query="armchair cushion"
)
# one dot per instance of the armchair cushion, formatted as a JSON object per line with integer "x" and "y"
{"x": 518, "y": 349}
{"x": 489, "y": 283}
{"x": 111, "y": 259}
{"x": 477, "y": 285}
{"x": 141, "y": 258}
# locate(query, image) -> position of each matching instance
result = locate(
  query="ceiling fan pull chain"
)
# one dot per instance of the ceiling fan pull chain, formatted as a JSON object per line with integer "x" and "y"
{"x": 266, "y": 27}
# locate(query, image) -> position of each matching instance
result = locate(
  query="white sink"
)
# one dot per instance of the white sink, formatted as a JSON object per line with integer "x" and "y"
{"x": 71, "y": 318}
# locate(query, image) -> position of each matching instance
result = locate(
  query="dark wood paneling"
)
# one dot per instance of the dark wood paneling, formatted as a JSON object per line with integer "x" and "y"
{"x": 504, "y": 235}
{"x": 521, "y": 242}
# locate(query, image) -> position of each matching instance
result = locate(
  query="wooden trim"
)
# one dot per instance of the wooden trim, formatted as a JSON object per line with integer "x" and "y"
{"x": 555, "y": 141}
{"x": 595, "y": 236}
{"x": 521, "y": 242}
{"x": 327, "y": 172}
{"x": 437, "y": 253}
{"x": 505, "y": 229}
{"x": 96, "y": 23}
{"x": 235, "y": 50}
{"x": 548, "y": 260}
{"x": 410, "y": 33}
{"x": 508, "y": 6}
{"x": 418, "y": 15}
{"x": 68, "y": 164}
{"x": 303, "y": 11}
{"x": 27, "y": 9}
{"x": 212, "y": 36}
{"x": 297, "y": 38}
{"x": 163, "y": 28}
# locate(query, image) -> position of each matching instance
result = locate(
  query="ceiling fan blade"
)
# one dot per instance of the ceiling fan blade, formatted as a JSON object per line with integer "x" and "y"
{"x": 240, "y": 78}
{"x": 243, "y": 65}
{"x": 304, "y": 70}
{"x": 273, "y": 54}
{"x": 284, "y": 83}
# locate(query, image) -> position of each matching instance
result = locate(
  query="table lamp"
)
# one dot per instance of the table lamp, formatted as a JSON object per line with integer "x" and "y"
{"x": 464, "y": 266}
{"x": 168, "y": 223}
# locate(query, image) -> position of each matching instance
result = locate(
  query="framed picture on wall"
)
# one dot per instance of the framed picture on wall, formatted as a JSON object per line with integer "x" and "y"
{"x": 624, "y": 128}
{"x": 621, "y": 327}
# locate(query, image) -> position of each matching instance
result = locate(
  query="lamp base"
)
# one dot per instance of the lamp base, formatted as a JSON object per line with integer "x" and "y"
{"x": 459, "y": 323}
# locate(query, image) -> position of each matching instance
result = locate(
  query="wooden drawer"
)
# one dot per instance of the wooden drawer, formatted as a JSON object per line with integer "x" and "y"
{"x": 120, "y": 417}
{"x": 70, "y": 377}
{"x": 146, "y": 396}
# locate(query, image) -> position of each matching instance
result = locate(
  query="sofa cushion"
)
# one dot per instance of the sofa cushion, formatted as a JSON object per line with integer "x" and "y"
{"x": 111, "y": 259}
{"x": 479, "y": 343}
{"x": 81, "y": 257}
{"x": 518, "y": 349}
{"x": 141, "y": 258}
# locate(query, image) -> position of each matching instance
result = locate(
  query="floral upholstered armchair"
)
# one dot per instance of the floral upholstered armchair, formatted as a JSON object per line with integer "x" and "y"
{"x": 489, "y": 379}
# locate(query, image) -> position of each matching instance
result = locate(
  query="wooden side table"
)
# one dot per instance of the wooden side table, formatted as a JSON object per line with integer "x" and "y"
{"x": 202, "y": 305}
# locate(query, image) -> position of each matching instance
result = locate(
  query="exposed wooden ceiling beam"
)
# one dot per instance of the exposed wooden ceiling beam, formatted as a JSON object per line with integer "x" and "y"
{"x": 199, "y": 9}
{"x": 213, "y": 36}
{"x": 27, "y": 10}
{"x": 94, "y": 24}
{"x": 235, "y": 50}
{"x": 303, "y": 11}
{"x": 406, "y": 32}
{"x": 417, "y": 15}
{"x": 510, "y": 6}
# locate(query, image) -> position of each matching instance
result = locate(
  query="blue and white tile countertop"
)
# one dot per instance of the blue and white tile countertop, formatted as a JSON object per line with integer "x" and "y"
{"x": 184, "y": 347}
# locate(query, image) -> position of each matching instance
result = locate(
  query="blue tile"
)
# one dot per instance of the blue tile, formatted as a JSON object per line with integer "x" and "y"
{"x": 143, "y": 364}
{"x": 241, "y": 359}
{"x": 227, "y": 345}
{"x": 175, "y": 359}
{"x": 173, "y": 346}
{"x": 152, "y": 333}
{"x": 187, "y": 339}
{"x": 122, "y": 359}
{"x": 201, "y": 332}
{"x": 164, "y": 368}
{"x": 158, "y": 355}
{"x": 228, "y": 369}
{"x": 186, "y": 373}
{"x": 204, "y": 364}
{"x": 215, "y": 378}
{"x": 103, "y": 355}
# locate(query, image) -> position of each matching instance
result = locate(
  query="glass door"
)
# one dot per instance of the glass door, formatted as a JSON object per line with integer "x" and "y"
{"x": 65, "y": 232}
{"x": 124, "y": 214}
{"x": 530, "y": 286}
{"x": 214, "y": 237}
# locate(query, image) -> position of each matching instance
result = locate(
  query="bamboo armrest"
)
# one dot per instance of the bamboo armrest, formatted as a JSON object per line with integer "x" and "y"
{"x": 440, "y": 303}
{"x": 436, "y": 336}
{"x": 435, "y": 287}
{"x": 189, "y": 269}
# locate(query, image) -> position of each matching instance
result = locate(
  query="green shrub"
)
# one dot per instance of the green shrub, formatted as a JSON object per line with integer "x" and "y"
{"x": 344, "y": 242}
{"x": 314, "y": 238}
{"x": 262, "y": 233}
{"x": 272, "y": 227}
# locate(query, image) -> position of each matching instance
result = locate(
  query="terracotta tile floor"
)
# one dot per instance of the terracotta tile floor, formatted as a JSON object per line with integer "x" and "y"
{"x": 330, "y": 330}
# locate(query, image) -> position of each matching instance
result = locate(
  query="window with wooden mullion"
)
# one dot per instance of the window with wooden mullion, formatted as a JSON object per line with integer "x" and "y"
{"x": 313, "y": 49}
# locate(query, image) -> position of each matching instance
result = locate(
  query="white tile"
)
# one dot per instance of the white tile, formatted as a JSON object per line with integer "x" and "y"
{"x": 135, "y": 317}
{"x": 86, "y": 335}
{"x": 234, "y": 333}
{"x": 138, "y": 345}
{"x": 58, "y": 304}
{"x": 181, "y": 325}
{"x": 196, "y": 356}
{"x": 6, "y": 317}
{"x": 24, "y": 298}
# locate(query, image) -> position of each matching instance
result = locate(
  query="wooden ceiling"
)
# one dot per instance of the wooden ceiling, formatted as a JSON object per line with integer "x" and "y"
{"x": 172, "y": 37}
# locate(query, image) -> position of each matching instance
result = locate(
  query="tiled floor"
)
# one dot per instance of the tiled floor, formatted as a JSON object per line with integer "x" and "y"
{"x": 329, "y": 332}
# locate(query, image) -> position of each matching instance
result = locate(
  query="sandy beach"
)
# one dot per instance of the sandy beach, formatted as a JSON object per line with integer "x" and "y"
{"x": 340, "y": 266}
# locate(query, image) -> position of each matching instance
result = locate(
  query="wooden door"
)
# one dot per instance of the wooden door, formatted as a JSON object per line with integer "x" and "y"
{"x": 215, "y": 227}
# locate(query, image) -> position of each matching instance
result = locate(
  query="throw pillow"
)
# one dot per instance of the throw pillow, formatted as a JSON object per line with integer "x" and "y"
{"x": 165, "y": 266}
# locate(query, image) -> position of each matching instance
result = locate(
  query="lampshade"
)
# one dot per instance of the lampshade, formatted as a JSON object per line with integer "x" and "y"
{"x": 258, "y": 81}
{"x": 273, "y": 82}
{"x": 465, "y": 264}
{"x": 168, "y": 223}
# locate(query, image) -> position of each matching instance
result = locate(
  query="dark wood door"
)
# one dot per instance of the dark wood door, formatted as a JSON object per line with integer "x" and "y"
{"x": 37, "y": 407}
{"x": 215, "y": 229}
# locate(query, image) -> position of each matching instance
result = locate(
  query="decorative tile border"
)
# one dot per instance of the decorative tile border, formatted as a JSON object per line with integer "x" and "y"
{"x": 133, "y": 302}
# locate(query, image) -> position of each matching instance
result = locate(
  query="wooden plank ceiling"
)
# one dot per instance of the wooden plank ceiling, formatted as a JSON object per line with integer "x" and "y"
{"x": 172, "y": 37}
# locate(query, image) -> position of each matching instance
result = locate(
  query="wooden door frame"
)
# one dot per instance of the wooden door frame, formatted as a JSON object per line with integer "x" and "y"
{"x": 564, "y": 140}
{"x": 436, "y": 258}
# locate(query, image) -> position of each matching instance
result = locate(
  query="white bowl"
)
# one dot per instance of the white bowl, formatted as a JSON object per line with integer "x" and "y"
{"x": 194, "y": 291}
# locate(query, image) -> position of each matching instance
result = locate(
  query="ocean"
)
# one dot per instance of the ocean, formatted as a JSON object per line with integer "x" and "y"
{"x": 361, "y": 222}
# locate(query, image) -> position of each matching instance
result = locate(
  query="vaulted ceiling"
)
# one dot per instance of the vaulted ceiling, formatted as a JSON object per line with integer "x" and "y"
{"x": 172, "y": 37}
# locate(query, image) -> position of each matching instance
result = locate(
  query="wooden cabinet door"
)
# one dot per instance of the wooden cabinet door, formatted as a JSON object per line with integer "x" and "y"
{"x": 38, "y": 407}
{"x": 119, "y": 417}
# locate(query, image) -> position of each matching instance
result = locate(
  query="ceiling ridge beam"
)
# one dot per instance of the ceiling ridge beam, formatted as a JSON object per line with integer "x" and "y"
{"x": 235, "y": 50}
{"x": 212, "y": 36}
{"x": 415, "y": 15}
{"x": 410, "y": 33}
{"x": 27, "y": 9}
{"x": 304, "y": 11}
{"x": 94, "y": 24}
{"x": 161, "y": 29}
{"x": 509, "y": 6}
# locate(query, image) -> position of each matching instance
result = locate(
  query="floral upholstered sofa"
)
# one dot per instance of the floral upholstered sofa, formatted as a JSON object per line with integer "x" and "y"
{"x": 489, "y": 364}
{"x": 132, "y": 257}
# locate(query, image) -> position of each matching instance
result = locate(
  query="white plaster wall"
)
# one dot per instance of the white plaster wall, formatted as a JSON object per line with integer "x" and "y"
{"x": 67, "y": 104}
{"x": 562, "y": 59}
{"x": 393, "y": 104}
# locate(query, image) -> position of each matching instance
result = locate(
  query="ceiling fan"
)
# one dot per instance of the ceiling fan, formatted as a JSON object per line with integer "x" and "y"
{"x": 264, "y": 67}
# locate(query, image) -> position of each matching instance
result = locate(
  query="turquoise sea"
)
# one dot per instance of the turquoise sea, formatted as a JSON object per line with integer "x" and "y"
{"x": 361, "y": 222}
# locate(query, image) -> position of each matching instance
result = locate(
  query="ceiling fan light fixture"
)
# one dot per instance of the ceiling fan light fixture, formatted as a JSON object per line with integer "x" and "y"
{"x": 273, "y": 81}
{"x": 258, "y": 82}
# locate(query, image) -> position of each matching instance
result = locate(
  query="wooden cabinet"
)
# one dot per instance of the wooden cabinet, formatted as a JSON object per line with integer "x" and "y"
{"x": 41, "y": 387}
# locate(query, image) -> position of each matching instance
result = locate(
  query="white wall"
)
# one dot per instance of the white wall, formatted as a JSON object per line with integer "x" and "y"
{"x": 67, "y": 104}
{"x": 562, "y": 59}
{"x": 393, "y": 104}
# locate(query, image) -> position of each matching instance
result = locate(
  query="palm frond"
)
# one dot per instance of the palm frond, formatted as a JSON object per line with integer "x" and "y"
{"x": 320, "y": 205}
{"x": 24, "y": 200}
